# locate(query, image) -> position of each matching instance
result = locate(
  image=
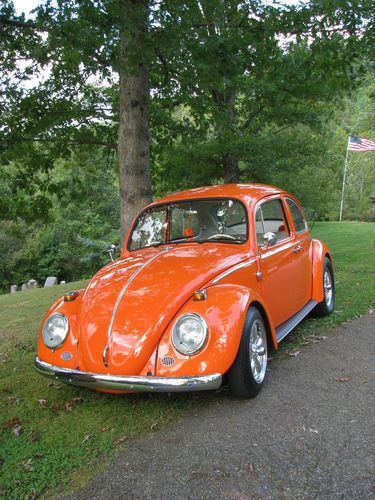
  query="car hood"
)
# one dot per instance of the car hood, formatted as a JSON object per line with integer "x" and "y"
{"x": 129, "y": 303}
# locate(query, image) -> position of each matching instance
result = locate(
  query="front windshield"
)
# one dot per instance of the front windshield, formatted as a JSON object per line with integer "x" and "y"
{"x": 198, "y": 221}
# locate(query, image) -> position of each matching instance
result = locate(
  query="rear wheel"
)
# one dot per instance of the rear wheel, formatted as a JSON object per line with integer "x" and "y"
{"x": 327, "y": 305}
{"x": 247, "y": 373}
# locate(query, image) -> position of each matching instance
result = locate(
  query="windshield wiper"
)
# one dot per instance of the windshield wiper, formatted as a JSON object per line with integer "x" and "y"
{"x": 220, "y": 240}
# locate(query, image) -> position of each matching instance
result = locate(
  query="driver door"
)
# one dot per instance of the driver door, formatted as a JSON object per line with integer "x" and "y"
{"x": 278, "y": 266}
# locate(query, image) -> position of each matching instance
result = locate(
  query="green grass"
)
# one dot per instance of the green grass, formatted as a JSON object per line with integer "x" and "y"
{"x": 68, "y": 433}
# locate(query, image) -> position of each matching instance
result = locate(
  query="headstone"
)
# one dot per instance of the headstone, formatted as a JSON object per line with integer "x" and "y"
{"x": 24, "y": 287}
{"x": 62, "y": 282}
{"x": 32, "y": 284}
{"x": 50, "y": 281}
{"x": 13, "y": 289}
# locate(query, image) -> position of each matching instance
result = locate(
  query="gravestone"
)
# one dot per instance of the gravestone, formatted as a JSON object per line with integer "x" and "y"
{"x": 62, "y": 282}
{"x": 13, "y": 289}
{"x": 24, "y": 287}
{"x": 50, "y": 281}
{"x": 32, "y": 284}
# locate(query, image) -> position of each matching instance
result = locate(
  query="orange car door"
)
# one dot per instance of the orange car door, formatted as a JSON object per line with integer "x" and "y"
{"x": 301, "y": 251}
{"x": 280, "y": 283}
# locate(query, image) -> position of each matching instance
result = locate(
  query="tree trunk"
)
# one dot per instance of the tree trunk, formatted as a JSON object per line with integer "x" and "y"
{"x": 231, "y": 169}
{"x": 226, "y": 125}
{"x": 133, "y": 134}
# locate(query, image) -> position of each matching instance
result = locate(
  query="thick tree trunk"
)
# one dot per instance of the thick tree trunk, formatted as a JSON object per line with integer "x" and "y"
{"x": 226, "y": 124}
{"x": 231, "y": 169}
{"x": 133, "y": 135}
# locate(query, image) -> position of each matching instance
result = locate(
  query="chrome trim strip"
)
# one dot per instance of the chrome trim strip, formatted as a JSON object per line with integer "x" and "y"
{"x": 128, "y": 383}
{"x": 286, "y": 327}
{"x": 284, "y": 247}
{"x": 126, "y": 286}
{"x": 232, "y": 270}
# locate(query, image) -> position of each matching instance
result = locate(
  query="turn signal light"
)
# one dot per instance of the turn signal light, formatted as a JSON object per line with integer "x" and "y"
{"x": 70, "y": 296}
{"x": 200, "y": 295}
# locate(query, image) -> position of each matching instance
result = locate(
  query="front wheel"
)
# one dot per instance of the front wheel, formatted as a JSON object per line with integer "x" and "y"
{"x": 327, "y": 305}
{"x": 247, "y": 373}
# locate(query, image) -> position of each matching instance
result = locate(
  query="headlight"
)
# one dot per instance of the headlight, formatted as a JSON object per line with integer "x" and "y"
{"x": 55, "y": 330}
{"x": 189, "y": 333}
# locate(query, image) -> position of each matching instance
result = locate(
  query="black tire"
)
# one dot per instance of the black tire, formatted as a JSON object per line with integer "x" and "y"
{"x": 327, "y": 305}
{"x": 242, "y": 376}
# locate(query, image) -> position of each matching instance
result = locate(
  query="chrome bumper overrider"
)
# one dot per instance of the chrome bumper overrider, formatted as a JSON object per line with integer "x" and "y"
{"x": 126, "y": 383}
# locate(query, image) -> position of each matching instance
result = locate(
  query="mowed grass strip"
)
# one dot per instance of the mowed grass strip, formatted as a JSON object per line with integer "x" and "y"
{"x": 53, "y": 435}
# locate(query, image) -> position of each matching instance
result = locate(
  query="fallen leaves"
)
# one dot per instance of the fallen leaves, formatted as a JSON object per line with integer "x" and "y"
{"x": 250, "y": 468}
{"x": 68, "y": 406}
{"x": 42, "y": 403}
{"x": 27, "y": 464}
{"x": 342, "y": 379}
{"x": 119, "y": 441}
{"x": 294, "y": 354}
{"x": 14, "y": 424}
{"x": 87, "y": 438}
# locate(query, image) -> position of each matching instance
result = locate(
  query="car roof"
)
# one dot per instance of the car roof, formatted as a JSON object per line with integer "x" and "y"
{"x": 248, "y": 193}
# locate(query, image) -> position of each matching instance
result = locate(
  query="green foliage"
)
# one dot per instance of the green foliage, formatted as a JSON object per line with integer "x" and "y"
{"x": 80, "y": 221}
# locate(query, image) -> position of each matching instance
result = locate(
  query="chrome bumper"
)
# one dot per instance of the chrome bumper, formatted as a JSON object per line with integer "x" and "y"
{"x": 126, "y": 383}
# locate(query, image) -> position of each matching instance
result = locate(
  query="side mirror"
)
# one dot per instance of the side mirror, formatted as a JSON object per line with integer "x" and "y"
{"x": 111, "y": 250}
{"x": 269, "y": 239}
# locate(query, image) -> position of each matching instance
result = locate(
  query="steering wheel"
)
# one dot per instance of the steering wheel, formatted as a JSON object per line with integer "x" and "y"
{"x": 221, "y": 236}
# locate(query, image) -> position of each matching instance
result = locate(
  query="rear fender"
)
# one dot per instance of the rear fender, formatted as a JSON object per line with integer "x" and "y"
{"x": 319, "y": 251}
{"x": 224, "y": 311}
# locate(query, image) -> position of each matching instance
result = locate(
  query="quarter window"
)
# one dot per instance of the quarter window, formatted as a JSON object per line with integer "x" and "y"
{"x": 270, "y": 218}
{"x": 298, "y": 219}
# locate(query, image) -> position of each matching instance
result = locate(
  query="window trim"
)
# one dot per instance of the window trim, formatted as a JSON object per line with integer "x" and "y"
{"x": 286, "y": 221}
{"x": 291, "y": 215}
{"x": 161, "y": 205}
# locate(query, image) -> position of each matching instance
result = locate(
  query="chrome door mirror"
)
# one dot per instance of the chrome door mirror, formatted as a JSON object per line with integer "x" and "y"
{"x": 269, "y": 239}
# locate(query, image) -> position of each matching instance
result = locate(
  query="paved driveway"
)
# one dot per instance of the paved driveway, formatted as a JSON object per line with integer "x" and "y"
{"x": 309, "y": 434}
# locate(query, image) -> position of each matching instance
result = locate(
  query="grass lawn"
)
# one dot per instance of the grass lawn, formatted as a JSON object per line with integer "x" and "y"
{"x": 52, "y": 435}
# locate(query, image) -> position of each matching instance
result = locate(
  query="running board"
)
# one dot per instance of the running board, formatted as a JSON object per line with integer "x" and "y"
{"x": 285, "y": 328}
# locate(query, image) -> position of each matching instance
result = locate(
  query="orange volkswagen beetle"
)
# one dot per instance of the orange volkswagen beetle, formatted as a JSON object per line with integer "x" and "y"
{"x": 208, "y": 281}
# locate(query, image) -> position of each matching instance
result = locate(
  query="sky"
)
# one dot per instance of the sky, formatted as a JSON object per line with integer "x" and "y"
{"x": 25, "y": 5}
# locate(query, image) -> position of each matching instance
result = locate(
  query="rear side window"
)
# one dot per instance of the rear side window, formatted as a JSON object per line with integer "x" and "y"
{"x": 270, "y": 218}
{"x": 298, "y": 219}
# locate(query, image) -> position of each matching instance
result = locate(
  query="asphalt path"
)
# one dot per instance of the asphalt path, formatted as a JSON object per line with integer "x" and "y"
{"x": 309, "y": 434}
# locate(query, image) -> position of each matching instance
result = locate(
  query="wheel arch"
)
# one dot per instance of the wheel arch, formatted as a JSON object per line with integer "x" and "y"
{"x": 319, "y": 252}
{"x": 270, "y": 329}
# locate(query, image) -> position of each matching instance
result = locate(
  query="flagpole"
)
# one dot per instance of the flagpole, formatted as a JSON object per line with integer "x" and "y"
{"x": 344, "y": 179}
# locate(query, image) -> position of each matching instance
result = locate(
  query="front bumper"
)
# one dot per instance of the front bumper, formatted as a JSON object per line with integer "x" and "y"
{"x": 126, "y": 383}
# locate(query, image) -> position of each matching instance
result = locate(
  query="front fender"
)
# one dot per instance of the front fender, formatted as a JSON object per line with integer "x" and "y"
{"x": 71, "y": 311}
{"x": 224, "y": 311}
{"x": 319, "y": 251}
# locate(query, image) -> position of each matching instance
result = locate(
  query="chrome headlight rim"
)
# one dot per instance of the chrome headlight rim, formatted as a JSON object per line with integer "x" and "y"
{"x": 46, "y": 334}
{"x": 176, "y": 341}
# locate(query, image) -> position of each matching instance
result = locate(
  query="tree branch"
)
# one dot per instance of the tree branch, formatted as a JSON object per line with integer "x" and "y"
{"x": 16, "y": 23}
{"x": 71, "y": 142}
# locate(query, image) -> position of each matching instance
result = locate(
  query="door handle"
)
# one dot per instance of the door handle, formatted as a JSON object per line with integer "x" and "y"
{"x": 297, "y": 249}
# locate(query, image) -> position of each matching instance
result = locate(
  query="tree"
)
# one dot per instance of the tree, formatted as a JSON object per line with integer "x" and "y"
{"x": 238, "y": 67}
{"x": 74, "y": 42}
{"x": 242, "y": 67}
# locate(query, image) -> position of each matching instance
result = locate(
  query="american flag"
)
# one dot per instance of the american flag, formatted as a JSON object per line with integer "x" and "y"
{"x": 360, "y": 144}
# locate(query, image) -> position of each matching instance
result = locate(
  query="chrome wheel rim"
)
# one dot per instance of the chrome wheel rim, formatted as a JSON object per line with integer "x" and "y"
{"x": 328, "y": 288}
{"x": 258, "y": 351}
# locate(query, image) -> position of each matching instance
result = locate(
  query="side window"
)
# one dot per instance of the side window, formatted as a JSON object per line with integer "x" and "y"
{"x": 270, "y": 217}
{"x": 298, "y": 219}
